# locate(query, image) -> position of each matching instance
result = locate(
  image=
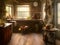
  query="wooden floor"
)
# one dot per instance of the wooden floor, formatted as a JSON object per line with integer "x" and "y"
{"x": 57, "y": 42}
{"x": 28, "y": 39}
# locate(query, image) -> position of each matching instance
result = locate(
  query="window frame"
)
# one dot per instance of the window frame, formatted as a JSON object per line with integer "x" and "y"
{"x": 11, "y": 12}
{"x": 22, "y": 11}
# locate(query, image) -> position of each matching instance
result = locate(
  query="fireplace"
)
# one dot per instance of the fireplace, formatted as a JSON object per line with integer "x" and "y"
{"x": 28, "y": 26}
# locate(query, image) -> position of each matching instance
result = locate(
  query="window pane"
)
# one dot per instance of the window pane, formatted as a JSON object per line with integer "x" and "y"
{"x": 58, "y": 13}
{"x": 23, "y": 11}
{"x": 23, "y": 8}
{"x": 8, "y": 11}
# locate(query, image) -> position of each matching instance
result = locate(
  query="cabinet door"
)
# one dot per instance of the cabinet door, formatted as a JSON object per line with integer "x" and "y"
{"x": 1, "y": 35}
{"x": 8, "y": 33}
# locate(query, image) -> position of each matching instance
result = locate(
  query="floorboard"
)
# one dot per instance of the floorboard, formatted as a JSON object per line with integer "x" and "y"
{"x": 27, "y": 39}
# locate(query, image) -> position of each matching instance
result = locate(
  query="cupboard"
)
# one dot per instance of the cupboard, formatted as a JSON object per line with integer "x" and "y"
{"x": 5, "y": 33}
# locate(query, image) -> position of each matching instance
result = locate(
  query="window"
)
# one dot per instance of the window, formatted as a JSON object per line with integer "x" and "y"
{"x": 44, "y": 13}
{"x": 8, "y": 11}
{"x": 58, "y": 13}
{"x": 23, "y": 11}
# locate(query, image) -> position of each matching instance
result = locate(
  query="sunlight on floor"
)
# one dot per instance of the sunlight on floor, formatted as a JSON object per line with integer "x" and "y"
{"x": 28, "y": 39}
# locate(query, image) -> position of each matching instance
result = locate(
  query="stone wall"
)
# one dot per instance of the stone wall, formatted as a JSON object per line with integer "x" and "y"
{"x": 49, "y": 11}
